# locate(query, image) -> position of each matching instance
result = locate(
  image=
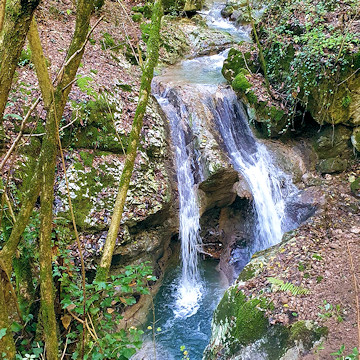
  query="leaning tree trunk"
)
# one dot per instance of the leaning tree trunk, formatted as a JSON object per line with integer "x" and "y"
{"x": 48, "y": 162}
{"x": 145, "y": 88}
{"x": 7, "y": 345}
{"x": 17, "y": 19}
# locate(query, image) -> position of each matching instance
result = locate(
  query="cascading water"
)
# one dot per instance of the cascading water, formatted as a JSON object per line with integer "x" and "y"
{"x": 268, "y": 184}
{"x": 191, "y": 93}
{"x": 189, "y": 290}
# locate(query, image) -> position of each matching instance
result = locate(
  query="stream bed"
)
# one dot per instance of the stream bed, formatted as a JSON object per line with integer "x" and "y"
{"x": 188, "y": 93}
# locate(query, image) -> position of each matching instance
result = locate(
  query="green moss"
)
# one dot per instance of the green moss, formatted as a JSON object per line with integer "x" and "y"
{"x": 97, "y": 130}
{"x": 247, "y": 273}
{"x": 307, "y": 333}
{"x": 244, "y": 318}
{"x": 251, "y": 323}
{"x": 87, "y": 157}
{"x": 137, "y": 17}
{"x": 235, "y": 62}
{"x": 240, "y": 83}
{"x": 252, "y": 98}
{"x": 145, "y": 10}
{"x": 346, "y": 101}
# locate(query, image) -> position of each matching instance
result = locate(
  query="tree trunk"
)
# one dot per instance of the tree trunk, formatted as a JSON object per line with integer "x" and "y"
{"x": 18, "y": 15}
{"x": 48, "y": 162}
{"x": 39, "y": 60}
{"x": 2, "y": 13}
{"x": 145, "y": 89}
{"x": 8, "y": 251}
{"x": 7, "y": 344}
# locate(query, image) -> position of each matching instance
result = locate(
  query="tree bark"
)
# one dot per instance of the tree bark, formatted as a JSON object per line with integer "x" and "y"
{"x": 8, "y": 251}
{"x": 2, "y": 13}
{"x": 7, "y": 344}
{"x": 48, "y": 162}
{"x": 18, "y": 15}
{"x": 145, "y": 89}
{"x": 39, "y": 60}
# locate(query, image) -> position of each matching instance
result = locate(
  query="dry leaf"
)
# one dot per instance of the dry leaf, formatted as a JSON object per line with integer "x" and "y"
{"x": 71, "y": 307}
{"x": 66, "y": 320}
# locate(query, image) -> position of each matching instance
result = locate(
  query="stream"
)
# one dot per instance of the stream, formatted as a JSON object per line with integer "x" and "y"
{"x": 191, "y": 290}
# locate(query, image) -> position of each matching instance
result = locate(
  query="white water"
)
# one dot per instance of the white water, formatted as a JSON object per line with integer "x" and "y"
{"x": 189, "y": 289}
{"x": 216, "y": 21}
{"x": 268, "y": 184}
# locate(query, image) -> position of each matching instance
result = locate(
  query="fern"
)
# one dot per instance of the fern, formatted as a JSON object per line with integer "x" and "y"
{"x": 281, "y": 286}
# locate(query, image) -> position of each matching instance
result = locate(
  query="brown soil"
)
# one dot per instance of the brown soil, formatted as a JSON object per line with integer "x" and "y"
{"x": 319, "y": 260}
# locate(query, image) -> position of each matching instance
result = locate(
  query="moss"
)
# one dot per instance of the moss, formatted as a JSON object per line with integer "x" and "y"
{"x": 87, "y": 157}
{"x": 307, "y": 333}
{"x": 240, "y": 83}
{"x": 98, "y": 130}
{"x": 247, "y": 273}
{"x": 243, "y": 319}
{"x": 235, "y": 62}
{"x": 137, "y": 17}
{"x": 145, "y": 10}
{"x": 252, "y": 98}
{"x": 346, "y": 101}
{"x": 251, "y": 323}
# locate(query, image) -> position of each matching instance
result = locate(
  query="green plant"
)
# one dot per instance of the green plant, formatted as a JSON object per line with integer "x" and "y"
{"x": 104, "y": 303}
{"x": 340, "y": 354}
{"x": 280, "y": 285}
{"x": 25, "y": 57}
{"x": 328, "y": 311}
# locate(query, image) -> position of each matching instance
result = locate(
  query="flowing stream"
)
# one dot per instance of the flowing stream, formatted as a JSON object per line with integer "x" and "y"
{"x": 187, "y": 93}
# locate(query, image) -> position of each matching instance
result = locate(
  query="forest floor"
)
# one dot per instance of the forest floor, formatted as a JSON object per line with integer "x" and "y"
{"x": 104, "y": 64}
{"x": 323, "y": 257}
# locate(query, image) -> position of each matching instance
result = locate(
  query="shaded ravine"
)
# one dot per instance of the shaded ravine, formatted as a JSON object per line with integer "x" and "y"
{"x": 189, "y": 94}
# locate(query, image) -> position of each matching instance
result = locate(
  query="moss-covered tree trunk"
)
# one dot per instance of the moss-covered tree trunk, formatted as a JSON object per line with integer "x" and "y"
{"x": 48, "y": 162}
{"x": 8, "y": 251}
{"x": 145, "y": 89}
{"x": 17, "y": 19}
{"x": 7, "y": 345}
{"x": 2, "y": 13}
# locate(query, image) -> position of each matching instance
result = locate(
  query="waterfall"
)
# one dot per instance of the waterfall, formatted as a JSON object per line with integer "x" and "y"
{"x": 185, "y": 106}
{"x": 189, "y": 288}
{"x": 268, "y": 184}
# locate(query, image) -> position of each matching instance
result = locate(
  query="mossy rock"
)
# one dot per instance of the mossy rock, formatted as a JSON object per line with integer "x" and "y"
{"x": 97, "y": 130}
{"x": 332, "y": 142}
{"x": 355, "y": 138}
{"x": 340, "y": 107}
{"x": 332, "y": 165}
{"x": 235, "y": 62}
{"x": 227, "y": 11}
{"x": 182, "y": 5}
{"x": 240, "y": 326}
{"x": 307, "y": 332}
{"x": 241, "y": 321}
{"x": 240, "y": 83}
